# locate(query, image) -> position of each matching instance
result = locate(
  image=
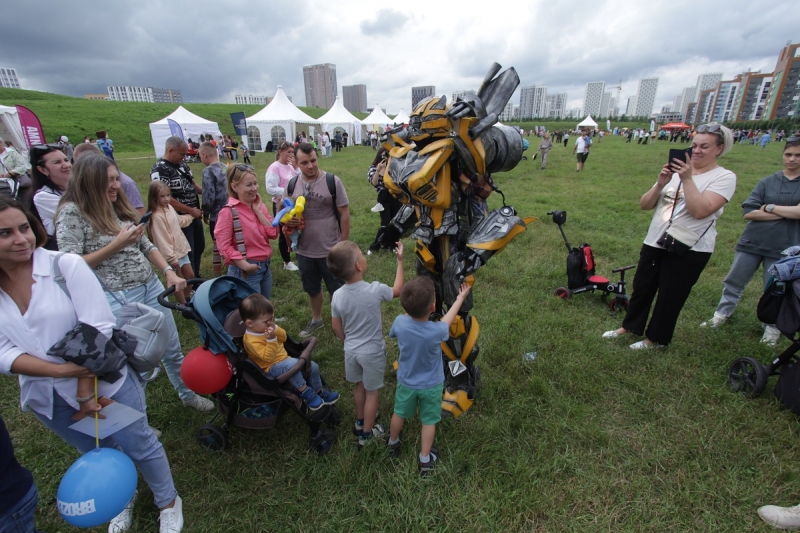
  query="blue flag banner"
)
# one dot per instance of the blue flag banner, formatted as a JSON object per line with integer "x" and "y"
{"x": 239, "y": 123}
{"x": 174, "y": 128}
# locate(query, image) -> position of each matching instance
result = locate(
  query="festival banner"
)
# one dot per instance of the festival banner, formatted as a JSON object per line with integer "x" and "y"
{"x": 31, "y": 127}
{"x": 608, "y": 125}
{"x": 239, "y": 123}
{"x": 174, "y": 128}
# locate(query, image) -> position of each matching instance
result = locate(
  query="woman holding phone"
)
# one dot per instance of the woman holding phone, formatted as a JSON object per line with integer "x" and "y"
{"x": 688, "y": 197}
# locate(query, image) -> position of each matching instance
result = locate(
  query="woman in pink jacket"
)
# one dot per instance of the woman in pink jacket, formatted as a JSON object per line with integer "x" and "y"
{"x": 243, "y": 230}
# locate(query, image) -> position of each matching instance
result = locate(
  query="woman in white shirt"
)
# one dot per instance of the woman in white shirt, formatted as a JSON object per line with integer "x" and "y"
{"x": 278, "y": 175}
{"x": 50, "y": 170}
{"x": 35, "y": 320}
{"x": 688, "y": 198}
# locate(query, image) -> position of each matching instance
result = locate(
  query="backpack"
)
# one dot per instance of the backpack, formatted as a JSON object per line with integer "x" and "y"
{"x": 147, "y": 326}
{"x": 769, "y": 305}
{"x": 787, "y": 388}
{"x": 580, "y": 266}
{"x": 106, "y": 147}
{"x": 331, "y": 188}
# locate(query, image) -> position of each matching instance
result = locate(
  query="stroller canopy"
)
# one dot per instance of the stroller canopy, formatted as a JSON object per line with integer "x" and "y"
{"x": 213, "y": 301}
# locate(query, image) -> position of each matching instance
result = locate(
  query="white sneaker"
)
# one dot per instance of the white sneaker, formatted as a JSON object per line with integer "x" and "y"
{"x": 171, "y": 520}
{"x": 781, "y": 517}
{"x": 377, "y": 208}
{"x": 203, "y": 405}
{"x": 122, "y": 522}
{"x": 716, "y": 321}
{"x": 641, "y": 345}
{"x": 612, "y": 334}
{"x": 771, "y": 336}
{"x": 290, "y": 266}
{"x": 156, "y": 432}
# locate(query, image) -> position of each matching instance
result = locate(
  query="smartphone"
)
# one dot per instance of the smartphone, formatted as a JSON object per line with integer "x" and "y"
{"x": 682, "y": 155}
{"x": 146, "y": 217}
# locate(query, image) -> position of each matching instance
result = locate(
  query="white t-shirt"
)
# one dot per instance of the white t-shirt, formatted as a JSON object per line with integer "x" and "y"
{"x": 580, "y": 145}
{"x": 718, "y": 180}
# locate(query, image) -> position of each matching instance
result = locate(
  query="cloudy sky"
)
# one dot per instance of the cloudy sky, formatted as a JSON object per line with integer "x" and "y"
{"x": 212, "y": 51}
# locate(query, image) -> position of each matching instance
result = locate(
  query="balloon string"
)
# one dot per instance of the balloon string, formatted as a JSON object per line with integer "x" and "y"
{"x": 96, "y": 418}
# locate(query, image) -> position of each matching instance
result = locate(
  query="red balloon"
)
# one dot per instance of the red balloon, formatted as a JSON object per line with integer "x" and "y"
{"x": 205, "y": 373}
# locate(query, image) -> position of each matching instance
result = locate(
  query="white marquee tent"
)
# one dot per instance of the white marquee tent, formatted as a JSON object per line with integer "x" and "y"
{"x": 587, "y": 123}
{"x": 377, "y": 120}
{"x": 193, "y": 126}
{"x": 401, "y": 118}
{"x": 11, "y": 130}
{"x": 277, "y": 122}
{"x": 340, "y": 118}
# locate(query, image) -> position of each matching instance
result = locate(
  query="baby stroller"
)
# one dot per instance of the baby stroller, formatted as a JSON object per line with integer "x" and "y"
{"x": 192, "y": 152}
{"x": 251, "y": 399}
{"x": 779, "y": 305}
{"x": 580, "y": 272}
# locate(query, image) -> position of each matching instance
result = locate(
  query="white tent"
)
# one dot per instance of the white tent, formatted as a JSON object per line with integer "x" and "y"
{"x": 193, "y": 126}
{"x": 401, "y": 118}
{"x": 277, "y": 122}
{"x": 587, "y": 123}
{"x": 340, "y": 118}
{"x": 11, "y": 130}
{"x": 377, "y": 120}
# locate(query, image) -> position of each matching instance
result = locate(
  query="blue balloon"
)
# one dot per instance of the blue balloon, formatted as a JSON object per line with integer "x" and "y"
{"x": 96, "y": 487}
{"x": 288, "y": 205}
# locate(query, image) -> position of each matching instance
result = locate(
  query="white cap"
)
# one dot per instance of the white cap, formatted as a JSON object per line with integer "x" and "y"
{"x": 64, "y": 139}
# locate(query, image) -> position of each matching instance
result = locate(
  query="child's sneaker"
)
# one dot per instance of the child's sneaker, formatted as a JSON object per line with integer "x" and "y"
{"x": 426, "y": 468}
{"x": 394, "y": 449}
{"x": 329, "y": 397}
{"x": 312, "y": 399}
{"x": 377, "y": 431}
{"x": 358, "y": 428}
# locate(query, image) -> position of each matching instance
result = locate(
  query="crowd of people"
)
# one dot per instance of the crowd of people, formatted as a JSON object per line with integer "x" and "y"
{"x": 85, "y": 206}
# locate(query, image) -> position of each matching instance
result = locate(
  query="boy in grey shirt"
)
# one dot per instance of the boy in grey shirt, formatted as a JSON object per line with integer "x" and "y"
{"x": 215, "y": 193}
{"x": 356, "y": 320}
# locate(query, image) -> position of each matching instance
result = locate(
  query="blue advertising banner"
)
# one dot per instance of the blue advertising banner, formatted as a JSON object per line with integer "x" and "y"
{"x": 174, "y": 128}
{"x": 239, "y": 123}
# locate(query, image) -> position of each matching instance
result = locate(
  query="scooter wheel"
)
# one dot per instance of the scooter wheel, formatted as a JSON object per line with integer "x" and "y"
{"x": 747, "y": 376}
{"x": 618, "y": 305}
{"x": 563, "y": 293}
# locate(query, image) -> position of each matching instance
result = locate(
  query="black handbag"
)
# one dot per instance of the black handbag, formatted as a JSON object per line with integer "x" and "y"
{"x": 675, "y": 238}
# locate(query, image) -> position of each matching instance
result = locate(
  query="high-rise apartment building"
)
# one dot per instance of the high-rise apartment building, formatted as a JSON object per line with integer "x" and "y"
{"x": 420, "y": 93}
{"x": 593, "y": 98}
{"x": 613, "y": 107}
{"x": 532, "y": 101}
{"x": 320, "y": 84}
{"x": 508, "y": 112}
{"x": 708, "y": 81}
{"x": 677, "y": 104}
{"x": 752, "y": 98}
{"x": 129, "y": 93}
{"x": 687, "y": 97}
{"x": 605, "y": 105}
{"x": 784, "y": 97}
{"x": 705, "y": 106}
{"x": 8, "y": 78}
{"x": 251, "y": 99}
{"x": 461, "y": 94}
{"x": 630, "y": 108}
{"x": 646, "y": 97}
{"x": 556, "y": 105}
{"x": 355, "y": 98}
{"x": 725, "y": 99}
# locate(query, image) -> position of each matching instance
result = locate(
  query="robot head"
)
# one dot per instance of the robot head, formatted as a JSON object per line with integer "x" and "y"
{"x": 428, "y": 119}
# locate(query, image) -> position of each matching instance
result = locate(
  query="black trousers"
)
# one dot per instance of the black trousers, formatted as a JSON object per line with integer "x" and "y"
{"x": 196, "y": 235}
{"x": 283, "y": 246}
{"x": 668, "y": 279}
{"x": 391, "y": 206}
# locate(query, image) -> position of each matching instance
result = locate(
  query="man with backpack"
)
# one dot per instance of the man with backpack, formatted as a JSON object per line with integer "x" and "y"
{"x": 105, "y": 144}
{"x": 327, "y": 221}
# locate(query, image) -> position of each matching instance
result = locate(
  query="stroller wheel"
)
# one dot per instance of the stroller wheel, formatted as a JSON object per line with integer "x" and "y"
{"x": 747, "y": 376}
{"x": 212, "y": 437}
{"x": 563, "y": 293}
{"x": 321, "y": 442}
{"x": 618, "y": 304}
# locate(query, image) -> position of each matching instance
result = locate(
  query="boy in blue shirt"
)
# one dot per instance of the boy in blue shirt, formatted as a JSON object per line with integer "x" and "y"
{"x": 421, "y": 373}
{"x": 356, "y": 320}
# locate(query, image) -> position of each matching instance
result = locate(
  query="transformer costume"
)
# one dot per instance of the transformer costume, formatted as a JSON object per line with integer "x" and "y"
{"x": 441, "y": 169}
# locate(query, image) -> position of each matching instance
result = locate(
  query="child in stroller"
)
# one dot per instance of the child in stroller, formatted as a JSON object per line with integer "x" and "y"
{"x": 263, "y": 343}
{"x": 251, "y": 399}
{"x": 192, "y": 154}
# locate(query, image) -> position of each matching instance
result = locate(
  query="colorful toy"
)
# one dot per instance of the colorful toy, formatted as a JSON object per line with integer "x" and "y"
{"x": 205, "y": 373}
{"x": 96, "y": 487}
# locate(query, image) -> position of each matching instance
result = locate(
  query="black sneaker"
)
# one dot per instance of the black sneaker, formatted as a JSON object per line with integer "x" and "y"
{"x": 425, "y": 469}
{"x": 394, "y": 449}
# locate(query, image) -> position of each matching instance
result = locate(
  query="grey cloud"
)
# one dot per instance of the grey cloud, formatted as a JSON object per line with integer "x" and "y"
{"x": 386, "y": 22}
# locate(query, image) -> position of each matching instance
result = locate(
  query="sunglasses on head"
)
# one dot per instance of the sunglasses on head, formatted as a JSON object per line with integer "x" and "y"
{"x": 793, "y": 139}
{"x": 46, "y": 147}
{"x": 709, "y": 128}
{"x": 284, "y": 145}
{"x": 245, "y": 168}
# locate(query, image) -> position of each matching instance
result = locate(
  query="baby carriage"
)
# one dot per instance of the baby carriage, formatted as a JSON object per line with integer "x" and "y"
{"x": 192, "y": 152}
{"x": 580, "y": 272}
{"x": 251, "y": 399}
{"x": 779, "y": 305}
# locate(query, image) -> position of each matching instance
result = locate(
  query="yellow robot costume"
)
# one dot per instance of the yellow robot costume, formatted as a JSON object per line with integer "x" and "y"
{"x": 441, "y": 168}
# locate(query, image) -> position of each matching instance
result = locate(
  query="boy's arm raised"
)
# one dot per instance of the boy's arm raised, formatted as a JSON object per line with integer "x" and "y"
{"x": 399, "y": 276}
{"x": 453, "y": 311}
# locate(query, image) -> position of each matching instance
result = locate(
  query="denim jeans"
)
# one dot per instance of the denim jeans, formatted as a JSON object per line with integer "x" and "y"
{"x": 137, "y": 440}
{"x": 742, "y": 271}
{"x": 19, "y": 519}
{"x": 261, "y": 281}
{"x": 147, "y": 294}
{"x": 297, "y": 380}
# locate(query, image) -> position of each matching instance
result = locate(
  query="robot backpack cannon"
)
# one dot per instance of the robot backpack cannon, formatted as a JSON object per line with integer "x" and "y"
{"x": 441, "y": 168}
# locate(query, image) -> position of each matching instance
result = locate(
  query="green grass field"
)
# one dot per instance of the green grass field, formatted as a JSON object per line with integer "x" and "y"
{"x": 590, "y": 436}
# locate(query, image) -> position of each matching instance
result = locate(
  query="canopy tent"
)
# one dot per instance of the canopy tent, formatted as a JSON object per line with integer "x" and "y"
{"x": 11, "y": 130}
{"x": 276, "y": 123}
{"x": 588, "y": 123}
{"x": 192, "y": 125}
{"x": 339, "y": 118}
{"x": 401, "y": 118}
{"x": 377, "y": 120}
{"x": 674, "y": 126}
